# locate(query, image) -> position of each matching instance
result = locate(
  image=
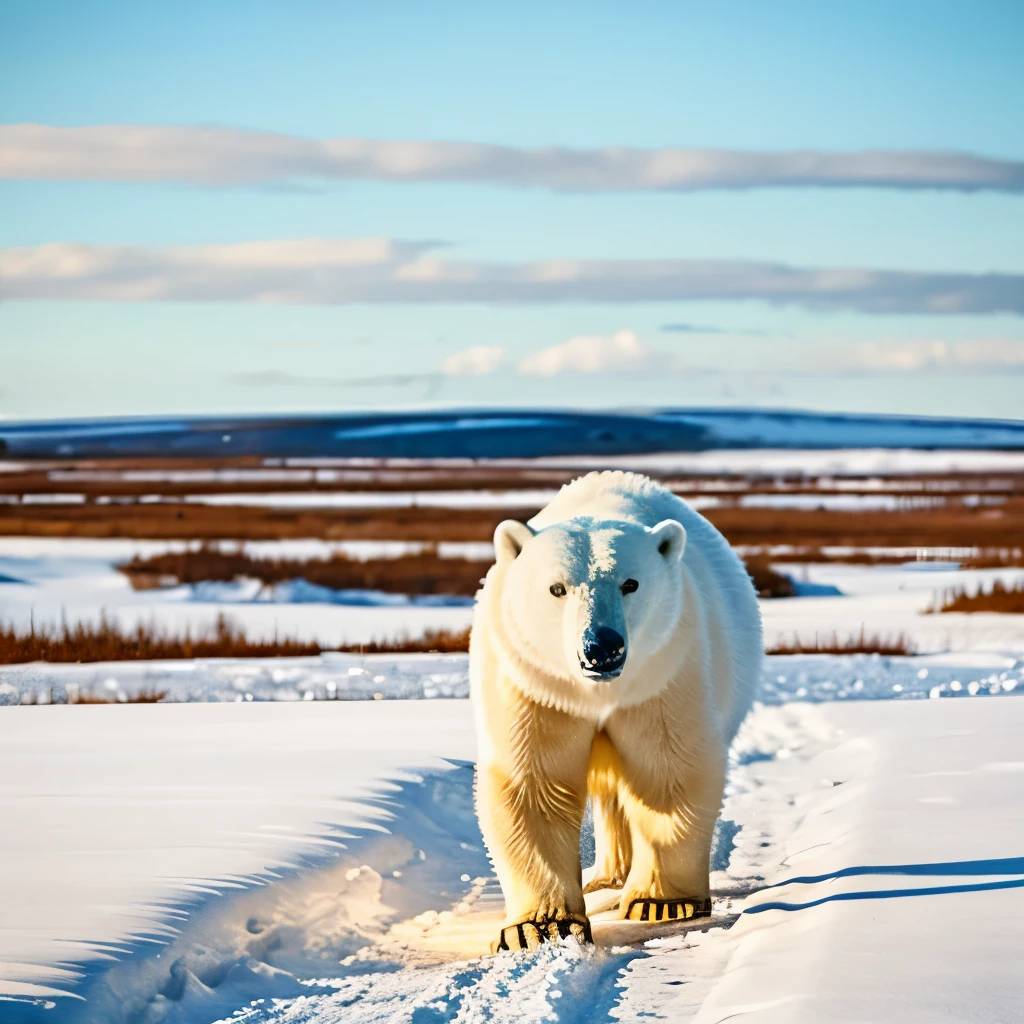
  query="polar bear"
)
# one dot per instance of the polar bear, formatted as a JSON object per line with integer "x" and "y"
{"x": 615, "y": 648}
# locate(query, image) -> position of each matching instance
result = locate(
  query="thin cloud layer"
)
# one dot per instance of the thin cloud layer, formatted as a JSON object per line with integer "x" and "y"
{"x": 993, "y": 355}
{"x": 226, "y": 156}
{"x": 623, "y": 352}
{"x": 477, "y": 361}
{"x": 381, "y": 271}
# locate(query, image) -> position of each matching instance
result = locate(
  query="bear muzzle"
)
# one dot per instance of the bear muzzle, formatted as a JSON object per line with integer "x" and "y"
{"x": 604, "y": 653}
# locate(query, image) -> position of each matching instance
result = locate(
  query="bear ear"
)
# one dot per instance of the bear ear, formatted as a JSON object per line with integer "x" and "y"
{"x": 509, "y": 539}
{"x": 670, "y": 537}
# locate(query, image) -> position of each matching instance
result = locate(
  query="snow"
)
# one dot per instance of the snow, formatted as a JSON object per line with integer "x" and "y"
{"x": 850, "y": 502}
{"x": 527, "y": 498}
{"x": 115, "y": 551}
{"x": 763, "y": 429}
{"x": 893, "y": 882}
{"x": 111, "y": 816}
{"x": 296, "y": 862}
{"x": 858, "y": 461}
{"x": 892, "y": 599}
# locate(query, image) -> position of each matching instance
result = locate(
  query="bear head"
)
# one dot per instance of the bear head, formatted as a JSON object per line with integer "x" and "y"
{"x": 591, "y": 602}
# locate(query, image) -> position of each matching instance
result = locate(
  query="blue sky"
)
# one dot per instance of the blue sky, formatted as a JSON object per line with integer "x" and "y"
{"x": 766, "y": 77}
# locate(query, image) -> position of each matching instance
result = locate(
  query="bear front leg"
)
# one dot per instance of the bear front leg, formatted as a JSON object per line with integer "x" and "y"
{"x": 531, "y": 794}
{"x": 672, "y": 807}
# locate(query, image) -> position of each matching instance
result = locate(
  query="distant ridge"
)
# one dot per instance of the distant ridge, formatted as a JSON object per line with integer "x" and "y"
{"x": 495, "y": 433}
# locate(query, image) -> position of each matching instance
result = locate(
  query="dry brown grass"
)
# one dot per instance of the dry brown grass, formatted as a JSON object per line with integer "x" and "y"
{"x": 856, "y": 643}
{"x": 996, "y": 558}
{"x": 433, "y": 641}
{"x": 423, "y": 573}
{"x": 1001, "y": 599}
{"x": 142, "y": 697}
{"x": 953, "y": 526}
{"x": 76, "y": 697}
{"x": 108, "y": 641}
{"x": 215, "y": 522}
{"x": 767, "y": 582}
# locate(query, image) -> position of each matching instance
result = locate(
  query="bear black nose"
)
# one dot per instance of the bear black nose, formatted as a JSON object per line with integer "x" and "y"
{"x": 604, "y": 650}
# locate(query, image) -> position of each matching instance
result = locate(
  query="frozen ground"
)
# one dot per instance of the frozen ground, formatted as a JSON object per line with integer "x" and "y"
{"x": 300, "y": 863}
{"x": 76, "y": 579}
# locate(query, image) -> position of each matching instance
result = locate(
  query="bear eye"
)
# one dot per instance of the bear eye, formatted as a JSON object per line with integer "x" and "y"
{"x": 557, "y": 589}
{"x": 630, "y": 586}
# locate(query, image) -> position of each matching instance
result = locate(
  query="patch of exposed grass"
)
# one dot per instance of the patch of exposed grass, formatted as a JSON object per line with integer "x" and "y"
{"x": 1001, "y": 598}
{"x": 952, "y": 526}
{"x": 433, "y": 641}
{"x": 767, "y": 582}
{"x": 856, "y": 643}
{"x": 995, "y": 558}
{"x": 423, "y": 573}
{"x": 76, "y": 697}
{"x": 107, "y": 640}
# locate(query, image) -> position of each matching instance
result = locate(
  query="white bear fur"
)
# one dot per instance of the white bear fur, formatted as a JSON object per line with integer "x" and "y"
{"x": 650, "y": 746}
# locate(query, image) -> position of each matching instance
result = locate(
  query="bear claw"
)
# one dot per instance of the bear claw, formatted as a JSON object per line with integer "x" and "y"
{"x": 682, "y": 909}
{"x": 529, "y": 935}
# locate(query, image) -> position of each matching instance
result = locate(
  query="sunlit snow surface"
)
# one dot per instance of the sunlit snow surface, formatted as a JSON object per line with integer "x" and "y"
{"x": 857, "y": 839}
{"x": 428, "y": 676}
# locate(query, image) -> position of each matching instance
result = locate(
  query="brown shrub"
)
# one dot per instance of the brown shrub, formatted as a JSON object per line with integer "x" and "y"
{"x": 856, "y": 643}
{"x": 142, "y": 697}
{"x": 423, "y": 573}
{"x": 767, "y": 582}
{"x": 433, "y": 641}
{"x": 1001, "y": 598}
{"x": 109, "y": 641}
{"x": 995, "y": 558}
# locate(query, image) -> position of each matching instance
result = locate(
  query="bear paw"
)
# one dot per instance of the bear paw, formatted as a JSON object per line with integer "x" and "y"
{"x": 684, "y": 908}
{"x": 528, "y": 935}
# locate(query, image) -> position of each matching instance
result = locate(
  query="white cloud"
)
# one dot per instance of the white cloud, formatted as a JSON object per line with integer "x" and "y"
{"x": 338, "y": 272}
{"x": 978, "y": 355}
{"x": 623, "y": 352}
{"x": 225, "y": 156}
{"x": 477, "y": 361}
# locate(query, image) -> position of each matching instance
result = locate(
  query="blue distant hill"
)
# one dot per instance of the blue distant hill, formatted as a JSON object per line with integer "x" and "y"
{"x": 491, "y": 433}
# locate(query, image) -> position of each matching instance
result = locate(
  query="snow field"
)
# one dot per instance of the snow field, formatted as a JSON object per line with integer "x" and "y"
{"x": 186, "y": 862}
